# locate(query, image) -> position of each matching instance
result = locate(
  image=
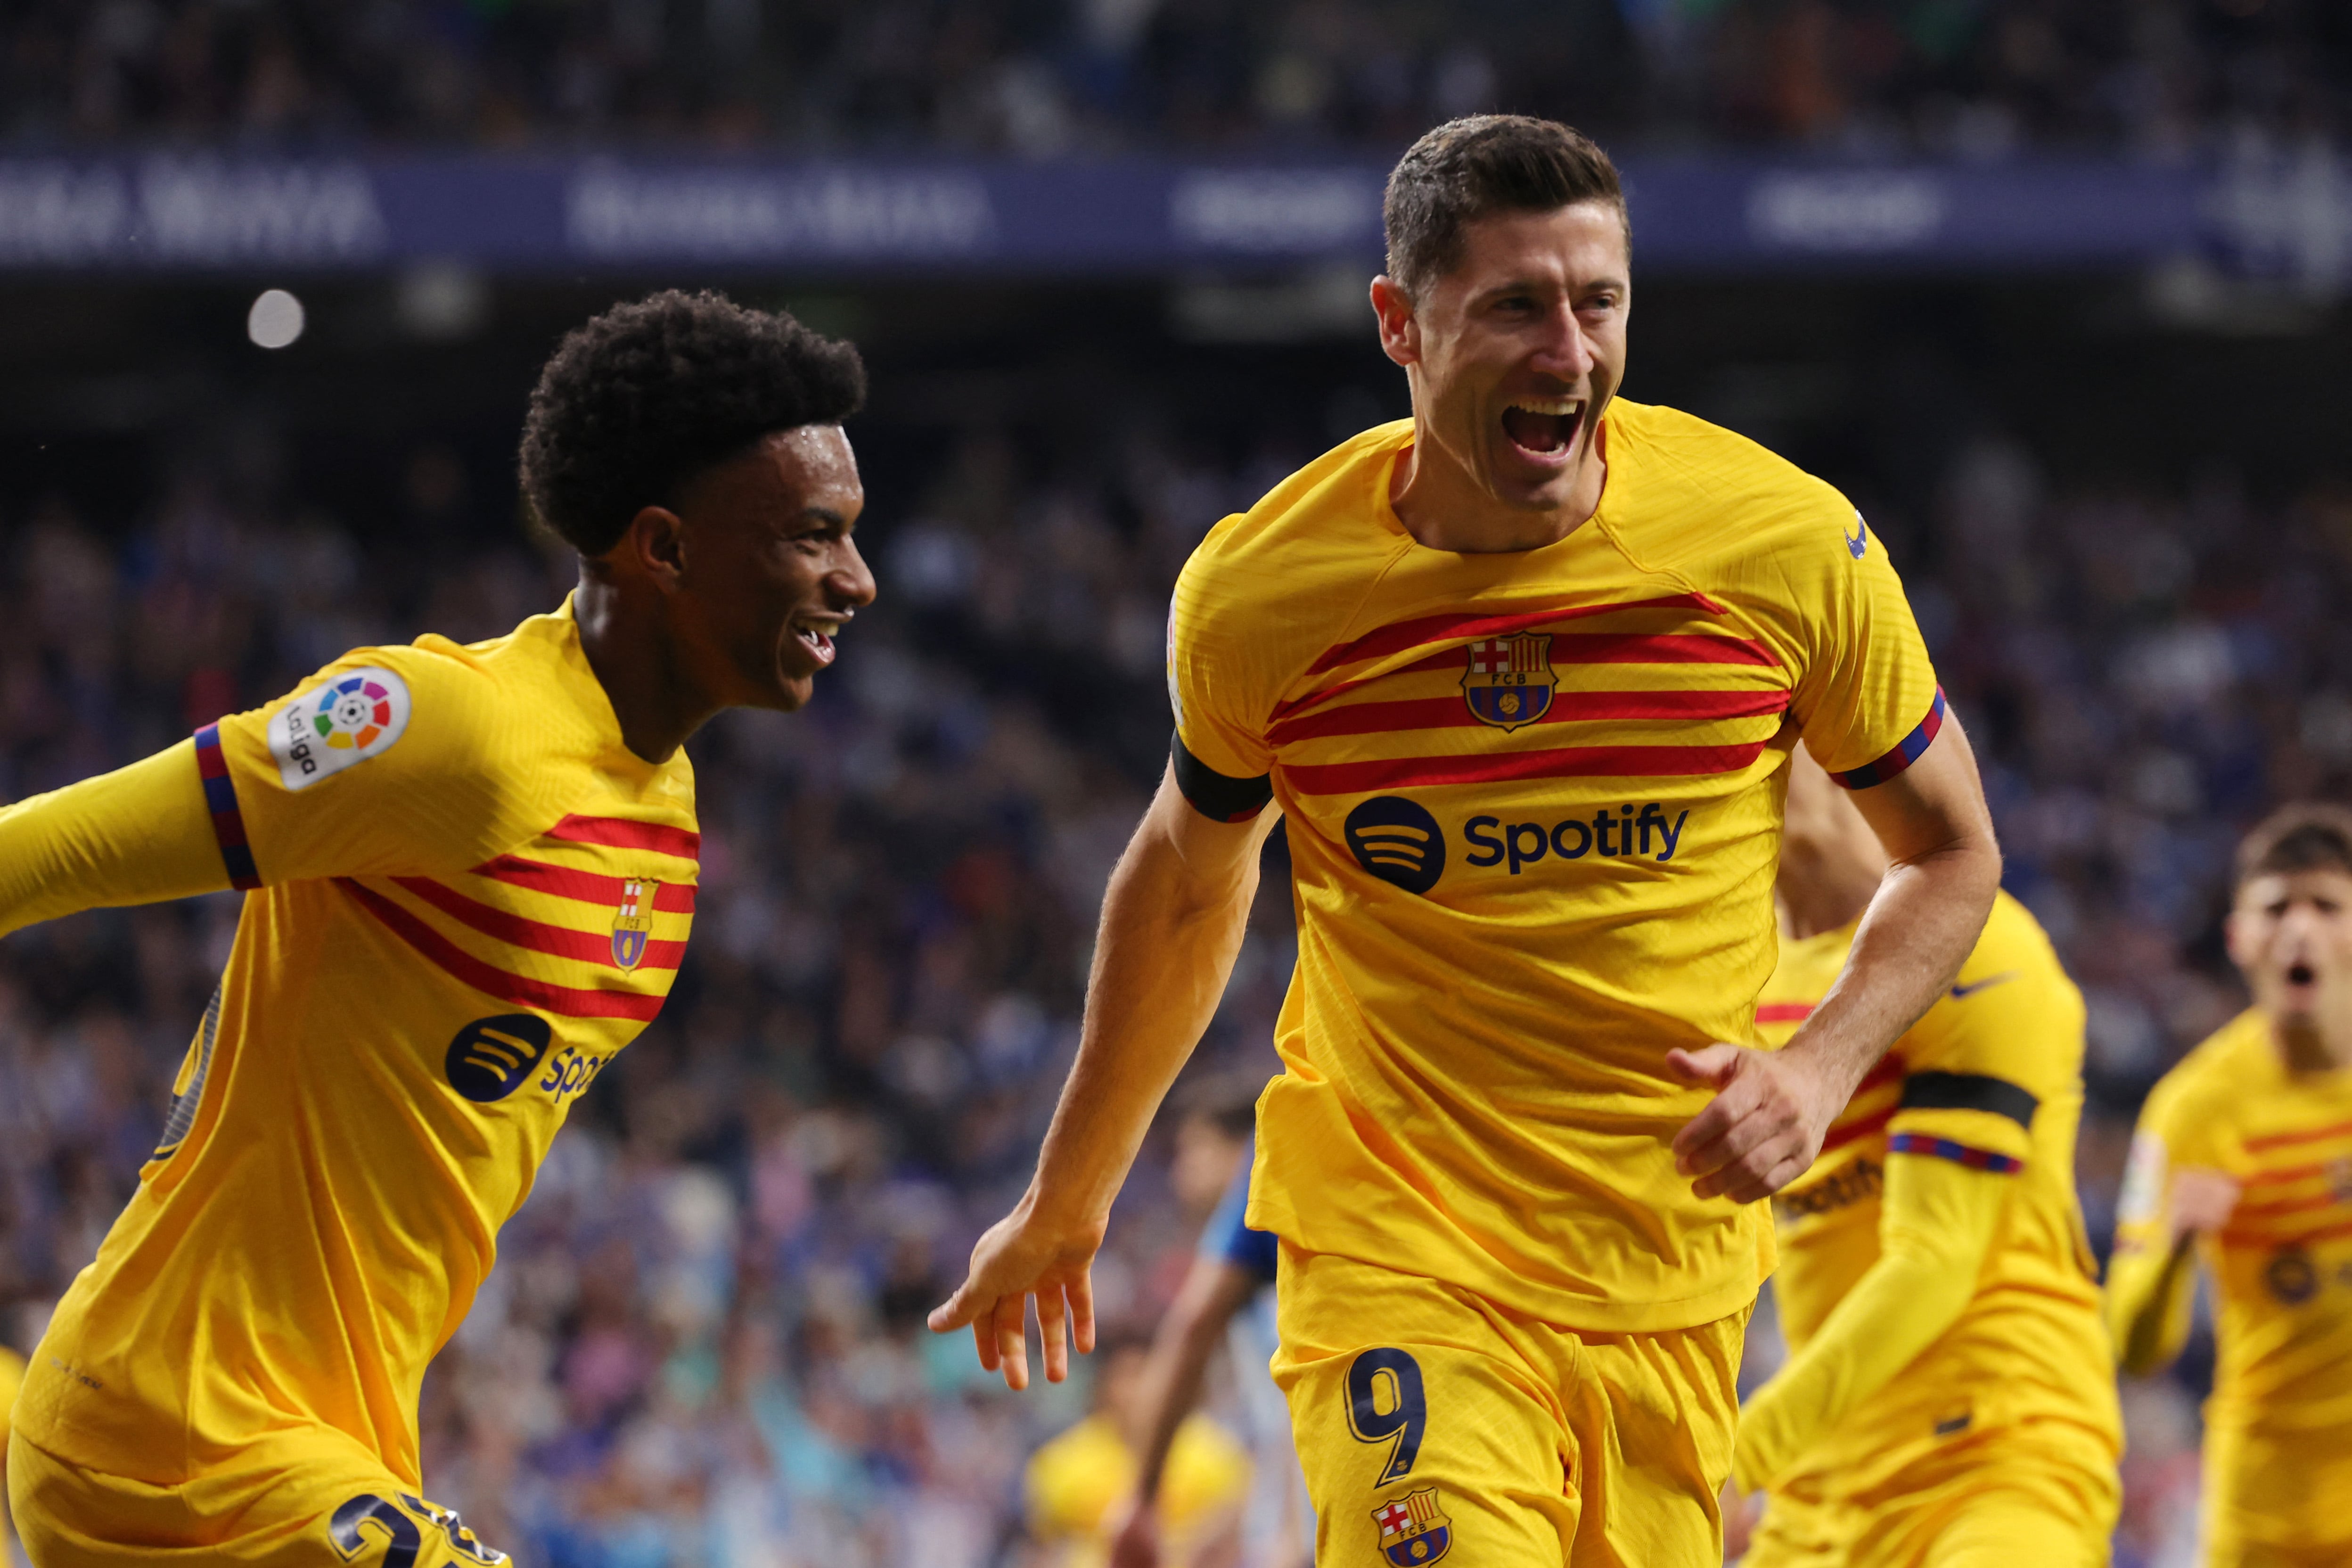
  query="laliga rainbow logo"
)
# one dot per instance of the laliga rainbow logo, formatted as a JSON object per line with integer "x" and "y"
{"x": 353, "y": 714}
{"x": 356, "y": 715}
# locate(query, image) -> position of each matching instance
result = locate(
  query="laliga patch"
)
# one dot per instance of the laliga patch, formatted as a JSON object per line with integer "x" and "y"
{"x": 355, "y": 716}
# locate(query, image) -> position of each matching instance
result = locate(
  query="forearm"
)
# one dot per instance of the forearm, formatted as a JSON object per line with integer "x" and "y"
{"x": 2147, "y": 1306}
{"x": 1940, "y": 1223}
{"x": 1165, "y": 948}
{"x": 1180, "y": 1357}
{"x": 1918, "y": 930}
{"x": 136, "y": 836}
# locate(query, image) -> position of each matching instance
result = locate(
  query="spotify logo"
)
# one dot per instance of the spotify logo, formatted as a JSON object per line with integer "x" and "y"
{"x": 491, "y": 1056}
{"x": 1398, "y": 842}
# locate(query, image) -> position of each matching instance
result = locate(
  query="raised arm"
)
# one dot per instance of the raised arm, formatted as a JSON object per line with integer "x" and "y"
{"x": 2165, "y": 1207}
{"x": 1772, "y": 1108}
{"x": 1171, "y": 923}
{"x": 137, "y": 835}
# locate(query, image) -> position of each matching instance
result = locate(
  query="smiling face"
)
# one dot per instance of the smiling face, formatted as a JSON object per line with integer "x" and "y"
{"x": 769, "y": 573}
{"x": 2291, "y": 934}
{"x": 1515, "y": 353}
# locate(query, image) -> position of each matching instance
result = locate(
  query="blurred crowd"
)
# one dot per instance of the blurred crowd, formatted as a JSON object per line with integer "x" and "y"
{"x": 703, "y": 1342}
{"x": 1966, "y": 78}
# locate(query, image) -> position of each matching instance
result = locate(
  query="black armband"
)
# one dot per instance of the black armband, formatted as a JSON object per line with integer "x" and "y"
{"x": 1969, "y": 1091}
{"x": 1211, "y": 793}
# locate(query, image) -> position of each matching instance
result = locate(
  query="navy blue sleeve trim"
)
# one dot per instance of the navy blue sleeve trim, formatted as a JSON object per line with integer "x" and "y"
{"x": 1969, "y": 1091}
{"x": 1215, "y": 795}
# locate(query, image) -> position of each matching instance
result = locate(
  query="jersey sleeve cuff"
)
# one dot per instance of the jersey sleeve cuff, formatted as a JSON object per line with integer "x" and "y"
{"x": 1906, "y": 751}
{"x": 1966, "y": 1154}
{"x": 1212, "y": 793}
{"x": 228, "y": 821}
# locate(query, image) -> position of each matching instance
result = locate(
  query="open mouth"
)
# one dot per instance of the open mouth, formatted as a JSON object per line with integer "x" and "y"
{"x": 2301, "y": 973}
{"x": 819, "y": 642}
{"x": 1544, "y": 429}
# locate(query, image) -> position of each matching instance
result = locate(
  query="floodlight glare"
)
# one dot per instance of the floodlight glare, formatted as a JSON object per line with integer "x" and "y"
{"x": 276, "y": 319}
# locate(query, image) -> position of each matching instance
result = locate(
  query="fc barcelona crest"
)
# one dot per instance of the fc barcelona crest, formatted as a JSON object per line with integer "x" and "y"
{"x": 1413, "y": 1534}
{"x": 633, "y": 926}
{"x": 1510, "y": 681}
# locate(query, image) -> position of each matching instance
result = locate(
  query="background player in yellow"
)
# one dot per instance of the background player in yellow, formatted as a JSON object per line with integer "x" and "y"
{"x": 1947, "y": 1401}
{"x": 1522, "y": 673}
{"x": 1073, "y": 1486}
{"x": 470, "y": 875}
{"x": 2242, "y": 1163}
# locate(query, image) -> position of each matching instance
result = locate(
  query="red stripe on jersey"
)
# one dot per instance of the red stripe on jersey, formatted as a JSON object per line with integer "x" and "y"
{"x": 588, "y": 887}
{"x": 626, "y": 833}
{"x": 2282, "y": 1175}
{"x": 1571, "y": 647}
{"x": 1558, "y": 762}
{"x": 563, "y": 942}
{"x": 2233, "y": 1237}
{"x": 2286, "y": 1206}
{"x": 1451, "y": 712}
{"x": 1398, "y": 635}
{"x": 570, "y": 1001}
{"x": 1888, "y": 1068}
{"x": 1784, "y": 1013}
{"x": 2313, "y": 1135}
{"x": 1839, "y": 1137}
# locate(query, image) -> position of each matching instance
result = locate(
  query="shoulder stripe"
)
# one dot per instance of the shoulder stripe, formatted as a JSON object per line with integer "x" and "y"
{"x": 1213, "y": 794}
{"x": 2308, "y": 1135}
{"x": 587, "y": 886}
{"x": 1450, "y": 713}
{"x": 1959, "y": 1153}
{"x": 228, "y": 821}
{"x": 1784, "y": 1013}
{"x": 1558, "y": 762}
{"x": 538, "y": 936}
{"x": 1908, "y": 750}
{"x": 626, "y": 833}
{"x": 570, "y": 1001}
{"x": 1398, "y": 635}
{"x": 1969, "y": 1091}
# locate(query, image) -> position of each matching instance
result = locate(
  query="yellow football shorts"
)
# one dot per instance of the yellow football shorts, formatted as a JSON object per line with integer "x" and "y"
{"x": 312, "y": 1500}
{"x": 2034, "y": 1497}
{"x": 1431, "y": 1422}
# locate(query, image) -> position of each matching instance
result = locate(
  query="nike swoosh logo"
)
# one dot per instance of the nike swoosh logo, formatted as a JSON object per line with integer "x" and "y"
{"x": 1962, "y": 993}
{"x": 1859, "y": 539}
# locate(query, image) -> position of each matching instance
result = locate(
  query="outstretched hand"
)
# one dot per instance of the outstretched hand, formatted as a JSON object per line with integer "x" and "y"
{"x": 1018, "y": 1258}
{"x": 1771, "y": 1111}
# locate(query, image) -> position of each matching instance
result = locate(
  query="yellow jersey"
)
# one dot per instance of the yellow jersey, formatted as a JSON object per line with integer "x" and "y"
{"x": 1534, "y": 803}
{"x": 465, "y": 895}
{"x": 1074, "y": 1481}
{"x": 2278, "y": 1428}
{"x": 1990, "y": 1078}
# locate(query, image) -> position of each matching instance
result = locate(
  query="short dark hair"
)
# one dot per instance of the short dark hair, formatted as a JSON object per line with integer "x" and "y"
{"x": 1483, "y": 164}
{"x": 2308, "y": 836}
{"x": 646, "y": 396}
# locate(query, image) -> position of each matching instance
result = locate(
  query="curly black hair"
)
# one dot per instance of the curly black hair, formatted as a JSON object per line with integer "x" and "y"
{"x": 645, "y": 397}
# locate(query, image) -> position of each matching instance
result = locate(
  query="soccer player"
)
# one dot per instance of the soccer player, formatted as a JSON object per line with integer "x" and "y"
{"x": 1948, "y": 1403}
{"x": 471, "y": 872}
{"x": 2244, "y": 1162}
{"x": 1073, "y": 1484}
{"x": 1523, "y": 673}
{"x": 1226, "y": 1297}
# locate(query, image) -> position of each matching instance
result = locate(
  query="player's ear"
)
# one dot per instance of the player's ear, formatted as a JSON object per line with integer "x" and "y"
{"x": 1399, "y": 330}
{"x": 654, "y": 544}
{"x": 2237, "y": 939}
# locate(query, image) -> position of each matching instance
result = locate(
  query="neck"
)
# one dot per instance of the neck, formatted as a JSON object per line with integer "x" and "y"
{"x": 620, "y": 632}
{"x": 1444, "y": 507}
{"x": 2310, "y": 1044}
